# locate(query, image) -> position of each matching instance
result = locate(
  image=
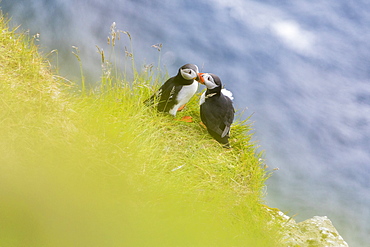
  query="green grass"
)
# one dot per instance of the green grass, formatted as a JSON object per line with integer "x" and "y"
{"x": 98, "y": 168}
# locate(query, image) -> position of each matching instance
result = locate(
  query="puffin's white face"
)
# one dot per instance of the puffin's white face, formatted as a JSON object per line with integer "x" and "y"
{"x": 208, "y": 80}
{"x": 189, "y": 74}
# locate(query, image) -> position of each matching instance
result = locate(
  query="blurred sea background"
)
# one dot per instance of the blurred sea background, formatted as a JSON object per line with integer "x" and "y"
{"x": 300, "y": 68}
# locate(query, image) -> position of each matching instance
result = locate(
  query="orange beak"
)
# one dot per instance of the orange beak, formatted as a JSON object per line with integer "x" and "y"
{"x": 200, "y": 78}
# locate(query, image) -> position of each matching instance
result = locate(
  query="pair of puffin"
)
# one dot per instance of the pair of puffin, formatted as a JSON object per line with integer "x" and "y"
{"x": 216, "y": 107}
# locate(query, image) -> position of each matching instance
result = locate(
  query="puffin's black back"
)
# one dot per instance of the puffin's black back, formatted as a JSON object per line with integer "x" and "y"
{"x": 217, "y": 113}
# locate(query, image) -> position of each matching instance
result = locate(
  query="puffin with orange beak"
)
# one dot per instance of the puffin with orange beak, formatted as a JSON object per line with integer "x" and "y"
{"x": 216, "y": 108}
{"x": 176, "y": 91}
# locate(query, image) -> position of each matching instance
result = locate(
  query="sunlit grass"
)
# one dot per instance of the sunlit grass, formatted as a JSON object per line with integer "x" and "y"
{"x": 99, "y": 168}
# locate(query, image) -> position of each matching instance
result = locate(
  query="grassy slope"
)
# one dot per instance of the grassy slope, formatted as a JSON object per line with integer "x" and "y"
{"x": 100, "y": 169}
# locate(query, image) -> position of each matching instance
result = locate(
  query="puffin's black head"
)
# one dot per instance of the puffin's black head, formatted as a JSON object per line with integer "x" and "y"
{"x": 189, "y": 72}
{"x": 211, "y": 81}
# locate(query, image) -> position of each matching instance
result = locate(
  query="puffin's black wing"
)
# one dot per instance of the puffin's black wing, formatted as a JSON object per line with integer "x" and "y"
{"x": 169, "y": 97}
{"x": 228, "y": 117}
{"x": 218, "y": 116}
{"x": 210, "y": 117}
{"x": 163, "y": 91}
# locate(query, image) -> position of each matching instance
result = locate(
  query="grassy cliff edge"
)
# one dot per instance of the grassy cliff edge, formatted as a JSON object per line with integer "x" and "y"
{"x": 99, "y": 168}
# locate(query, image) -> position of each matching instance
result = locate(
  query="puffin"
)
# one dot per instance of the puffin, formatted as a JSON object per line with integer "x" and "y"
{"x": 216, "y": 108}
{"x": 176, "y": 91}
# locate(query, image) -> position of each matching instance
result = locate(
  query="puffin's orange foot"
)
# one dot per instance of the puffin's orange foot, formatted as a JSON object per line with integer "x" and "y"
{"x": 181, "y": 107}
{"x": 187, "y": 119}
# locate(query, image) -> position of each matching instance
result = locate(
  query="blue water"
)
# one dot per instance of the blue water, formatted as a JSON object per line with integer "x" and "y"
{"x": 302, "y": 69}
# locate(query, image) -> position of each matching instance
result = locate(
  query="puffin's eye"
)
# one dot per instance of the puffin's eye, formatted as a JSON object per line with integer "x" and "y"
{"x": 189, "y": 72}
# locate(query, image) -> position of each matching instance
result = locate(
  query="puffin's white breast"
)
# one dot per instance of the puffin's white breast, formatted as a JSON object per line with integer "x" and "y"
{"x": 202, "y": 98}
{"x": 184, "y": 96}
